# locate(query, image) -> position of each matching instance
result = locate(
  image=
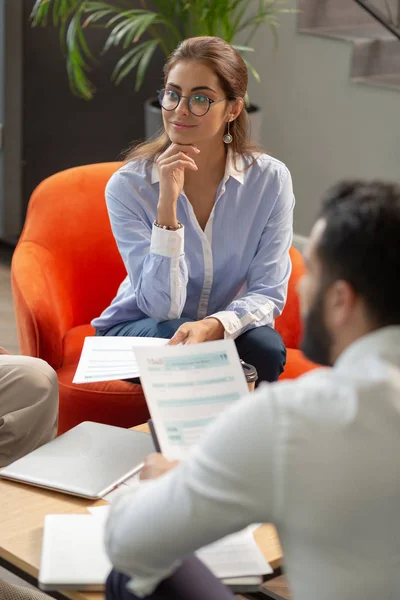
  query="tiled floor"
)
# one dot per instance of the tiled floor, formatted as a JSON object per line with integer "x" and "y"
{"x": 8, "y": 330}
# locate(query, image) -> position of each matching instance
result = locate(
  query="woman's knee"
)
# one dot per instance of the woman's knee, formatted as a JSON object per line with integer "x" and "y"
{"x": 263, "y": 348}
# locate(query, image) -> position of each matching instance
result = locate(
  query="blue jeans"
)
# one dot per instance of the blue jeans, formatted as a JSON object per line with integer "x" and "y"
{"x": 261, "y": 347}
{"x": 192, "y": 581}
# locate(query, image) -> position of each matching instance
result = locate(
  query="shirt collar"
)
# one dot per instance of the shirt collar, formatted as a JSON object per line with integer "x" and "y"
{"x": 381, "y": 342}
{"x": 230, "y": 169}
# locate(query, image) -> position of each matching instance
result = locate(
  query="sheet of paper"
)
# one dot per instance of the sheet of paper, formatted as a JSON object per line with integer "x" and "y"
{"x": 100, "y": 512}
{"x": 110, "y": 358}
{"x": 187, "y": 387}
{"x": 236, "y": 555}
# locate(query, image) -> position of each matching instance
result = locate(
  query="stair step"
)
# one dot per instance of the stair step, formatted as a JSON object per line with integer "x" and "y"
{"x": 363, "y": 31}
{"x": 376, "y": 55}
{"x": 376, "y": 58}
{"x": 389, "y": 81}
{"x": 331, "y": 14}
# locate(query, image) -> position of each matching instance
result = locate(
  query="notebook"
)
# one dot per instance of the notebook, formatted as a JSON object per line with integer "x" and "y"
{"x": 73, "y": 554}
{"x": 89, "y": 460}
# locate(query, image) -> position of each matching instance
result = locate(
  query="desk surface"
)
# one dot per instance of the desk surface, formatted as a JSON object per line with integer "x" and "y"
{"x": 23, "y": 509}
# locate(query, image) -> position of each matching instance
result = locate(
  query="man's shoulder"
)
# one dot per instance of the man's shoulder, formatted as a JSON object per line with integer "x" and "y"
{"x": 321, "y": 395}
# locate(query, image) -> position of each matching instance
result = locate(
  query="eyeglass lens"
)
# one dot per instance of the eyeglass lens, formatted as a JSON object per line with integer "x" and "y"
{"x": 198, "y": 103}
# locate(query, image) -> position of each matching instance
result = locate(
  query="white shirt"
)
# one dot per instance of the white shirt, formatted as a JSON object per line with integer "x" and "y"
{"x": 236, "y": 270}
{"x": 319, "y": 457}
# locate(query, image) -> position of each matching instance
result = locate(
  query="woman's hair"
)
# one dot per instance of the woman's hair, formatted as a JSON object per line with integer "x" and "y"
{"x": 231, "y": 71}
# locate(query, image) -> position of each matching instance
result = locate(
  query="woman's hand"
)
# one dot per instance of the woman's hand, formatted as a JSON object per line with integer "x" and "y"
{"x": 155, "y": 465}
{"x": 199, "y": 331}
{"x": 4, "y": 351}
{"x": 171, "y": 168}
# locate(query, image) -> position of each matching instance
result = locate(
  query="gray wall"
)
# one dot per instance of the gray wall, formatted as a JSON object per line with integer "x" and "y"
{"x": 317, "y": 121}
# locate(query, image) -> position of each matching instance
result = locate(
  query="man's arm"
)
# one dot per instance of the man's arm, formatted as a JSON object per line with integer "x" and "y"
{"x": 225, "y": 484}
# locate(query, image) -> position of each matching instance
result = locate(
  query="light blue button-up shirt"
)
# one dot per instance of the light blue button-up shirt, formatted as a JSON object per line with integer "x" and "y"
{"x": 236, "y": 270}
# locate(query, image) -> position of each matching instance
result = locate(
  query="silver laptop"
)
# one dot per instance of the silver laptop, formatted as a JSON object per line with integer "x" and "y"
{"x": 89, "y": 460}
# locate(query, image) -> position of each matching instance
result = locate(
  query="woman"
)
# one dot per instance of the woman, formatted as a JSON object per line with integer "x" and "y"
{"x": 202, "y": 219}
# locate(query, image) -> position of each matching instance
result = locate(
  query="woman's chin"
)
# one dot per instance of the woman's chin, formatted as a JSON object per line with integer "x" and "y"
{"x": 181, "y": 137}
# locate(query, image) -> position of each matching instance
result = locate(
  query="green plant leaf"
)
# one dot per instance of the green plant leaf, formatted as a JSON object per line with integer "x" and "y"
{"x": 144, "y": 62}
{"x": 252, "y": 70}
{"x": 139, "y": 55}
{"x": 243, "y": 48}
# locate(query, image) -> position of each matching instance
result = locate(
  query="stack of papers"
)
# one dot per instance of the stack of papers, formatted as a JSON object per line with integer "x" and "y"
{"x": 111, "y": 358}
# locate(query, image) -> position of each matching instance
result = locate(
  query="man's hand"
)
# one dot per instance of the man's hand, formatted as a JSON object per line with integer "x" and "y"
{"x": 155, "y": 465}
{"x": 4, "y": 351}
{"x": 199, "y": 331}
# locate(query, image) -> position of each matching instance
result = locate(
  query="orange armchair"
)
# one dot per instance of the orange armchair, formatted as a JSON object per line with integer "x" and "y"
{"x": 289, "y": 323}
{"x": 65, "y": 270}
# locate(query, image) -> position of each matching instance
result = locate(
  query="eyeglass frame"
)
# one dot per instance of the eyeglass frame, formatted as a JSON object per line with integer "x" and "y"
{"x": 180, "y": 96}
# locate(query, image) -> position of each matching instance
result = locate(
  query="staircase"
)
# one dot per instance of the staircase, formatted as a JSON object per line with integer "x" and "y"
{"x": 376, "y": 49}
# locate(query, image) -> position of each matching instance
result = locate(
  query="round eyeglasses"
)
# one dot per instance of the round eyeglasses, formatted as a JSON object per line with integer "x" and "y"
{"x": 198, "y": 104}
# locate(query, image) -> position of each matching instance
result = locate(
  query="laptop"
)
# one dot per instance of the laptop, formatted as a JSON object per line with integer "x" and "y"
{"x": 88, "y": 461}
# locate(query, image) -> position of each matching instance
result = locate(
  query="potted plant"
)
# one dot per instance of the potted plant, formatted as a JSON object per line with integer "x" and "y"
{"x": 138, "y": 32}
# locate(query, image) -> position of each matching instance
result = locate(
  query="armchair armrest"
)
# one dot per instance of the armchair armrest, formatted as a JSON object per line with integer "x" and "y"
{"x": 42, "y": 302}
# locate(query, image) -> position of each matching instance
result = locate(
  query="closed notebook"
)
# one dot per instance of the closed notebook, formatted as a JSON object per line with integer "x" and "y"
{"x": 73, "y": 554}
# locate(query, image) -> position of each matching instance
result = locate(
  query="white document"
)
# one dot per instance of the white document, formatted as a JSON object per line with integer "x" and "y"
{"x": 100, "y": 512}
{"x": 110, "y": 358}
{"x": 187, "y": 387}
{"x": 236, "y": 555}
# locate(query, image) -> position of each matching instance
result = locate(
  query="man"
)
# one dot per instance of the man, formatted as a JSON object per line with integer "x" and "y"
{"x": 28, "y": 419}
{"x": 318, "y": 456}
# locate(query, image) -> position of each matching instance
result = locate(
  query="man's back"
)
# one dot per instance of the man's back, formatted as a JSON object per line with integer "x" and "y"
{"x": 318, "y": 457}
{"x": 339, "y": 485}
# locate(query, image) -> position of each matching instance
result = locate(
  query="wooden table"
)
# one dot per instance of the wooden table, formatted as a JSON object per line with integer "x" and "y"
{"x": 22, "y": 512}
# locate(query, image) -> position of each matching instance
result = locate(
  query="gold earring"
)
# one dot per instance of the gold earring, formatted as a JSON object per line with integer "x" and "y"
{"x": 227, "y": 137}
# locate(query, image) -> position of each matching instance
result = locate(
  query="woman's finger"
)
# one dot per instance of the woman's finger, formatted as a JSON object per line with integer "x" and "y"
{"x": 175, "y": 148}
{"x": 178, "y": 164}
{"x": 179, "y": 337}
{"x": 178, "y": 156}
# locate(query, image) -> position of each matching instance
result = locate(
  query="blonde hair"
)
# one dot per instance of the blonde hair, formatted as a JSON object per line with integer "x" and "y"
{"x": 231, "y": 71}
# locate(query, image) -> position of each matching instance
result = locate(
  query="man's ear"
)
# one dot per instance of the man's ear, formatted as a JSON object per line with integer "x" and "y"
{"x": 340, "y": 302}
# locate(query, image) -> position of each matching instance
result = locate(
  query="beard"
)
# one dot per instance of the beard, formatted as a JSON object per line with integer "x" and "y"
{"x": 317, "y": 341}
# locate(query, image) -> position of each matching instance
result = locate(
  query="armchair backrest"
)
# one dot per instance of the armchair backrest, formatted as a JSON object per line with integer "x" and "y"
{"x": 66, "y": 267}
{"x": 289, "y": 323}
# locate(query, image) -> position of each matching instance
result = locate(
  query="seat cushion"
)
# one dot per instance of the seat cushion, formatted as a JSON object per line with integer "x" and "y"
{"x": 296, "y": 364}
{"x": 117, "y": 403}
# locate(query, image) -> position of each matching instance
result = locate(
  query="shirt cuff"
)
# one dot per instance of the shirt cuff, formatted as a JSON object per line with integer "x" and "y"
{"x": 167, "y": 243}
{"x": 143, "y": 586}
{"x": 231, "y": 322}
